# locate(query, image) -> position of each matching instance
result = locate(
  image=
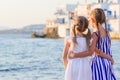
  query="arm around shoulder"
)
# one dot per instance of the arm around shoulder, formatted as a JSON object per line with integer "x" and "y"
{"x": 86, "y": 53}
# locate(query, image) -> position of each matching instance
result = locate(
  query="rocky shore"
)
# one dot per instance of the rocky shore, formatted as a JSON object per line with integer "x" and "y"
{"x": 115, "y": 36}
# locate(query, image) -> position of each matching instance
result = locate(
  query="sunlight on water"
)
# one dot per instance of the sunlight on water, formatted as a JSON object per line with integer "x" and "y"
{"x": 24, "y": 58}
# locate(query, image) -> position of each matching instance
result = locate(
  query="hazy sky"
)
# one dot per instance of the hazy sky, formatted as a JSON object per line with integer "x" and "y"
{"x": 18, "y": 13}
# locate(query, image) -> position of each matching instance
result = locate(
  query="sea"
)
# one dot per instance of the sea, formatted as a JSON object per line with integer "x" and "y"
{"x": 26, "y": 58}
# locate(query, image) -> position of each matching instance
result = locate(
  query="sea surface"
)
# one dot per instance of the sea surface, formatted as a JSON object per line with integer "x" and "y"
{"x": 26, "y": 58}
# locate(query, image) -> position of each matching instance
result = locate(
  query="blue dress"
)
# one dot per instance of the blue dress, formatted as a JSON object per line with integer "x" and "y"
{"x": 101, "y": 67}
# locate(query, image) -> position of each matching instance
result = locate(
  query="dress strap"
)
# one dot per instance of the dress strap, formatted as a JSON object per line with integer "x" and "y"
{"x": 95, "y": 33}
{"x": 99, "y": 43}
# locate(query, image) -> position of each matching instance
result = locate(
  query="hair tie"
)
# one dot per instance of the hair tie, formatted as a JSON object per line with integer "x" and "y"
{"x": 85, "y": 32}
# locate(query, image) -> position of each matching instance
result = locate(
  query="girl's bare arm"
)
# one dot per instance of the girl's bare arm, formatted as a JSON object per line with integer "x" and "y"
{"x": 100, "y": 53}
{"x": 65, "y": 53}
{"x": 91, "y": 51}
{"x": 86, "y": 53}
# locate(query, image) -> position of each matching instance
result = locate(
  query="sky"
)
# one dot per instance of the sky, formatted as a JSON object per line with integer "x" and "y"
{"x": 19, "y": 13}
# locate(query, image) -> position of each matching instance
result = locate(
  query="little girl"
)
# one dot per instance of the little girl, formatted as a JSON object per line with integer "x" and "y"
{"x": 78, "y": 68}
{"x": 102, "y": 62}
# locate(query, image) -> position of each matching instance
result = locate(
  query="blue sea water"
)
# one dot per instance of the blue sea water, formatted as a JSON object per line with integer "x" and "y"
{"x": 25, "y": 58}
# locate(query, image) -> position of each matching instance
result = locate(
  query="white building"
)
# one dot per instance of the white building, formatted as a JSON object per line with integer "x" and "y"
{"x": 112, "y": 10}
{"x": 64, "y": 13}
{"x": 50, "y": 23}
{"x": 63, "y": 19}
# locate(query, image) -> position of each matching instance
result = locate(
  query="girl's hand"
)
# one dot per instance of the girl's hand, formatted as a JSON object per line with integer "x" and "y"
{"x": 71, "y": 55}
{"x": 65, "y": 62}
{"x": 112, "y": 60}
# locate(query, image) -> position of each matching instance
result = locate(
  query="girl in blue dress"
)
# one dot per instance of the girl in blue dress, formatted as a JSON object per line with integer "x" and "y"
{"x": 102, "y": 68}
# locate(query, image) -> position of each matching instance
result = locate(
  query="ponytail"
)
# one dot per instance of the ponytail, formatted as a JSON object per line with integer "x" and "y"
{"x": 88, "y": 37}
{"x": 74, "y": 37}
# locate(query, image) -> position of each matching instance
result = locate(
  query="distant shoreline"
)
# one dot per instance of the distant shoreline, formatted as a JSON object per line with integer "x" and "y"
{"x": 29, "y": 35}
{"x": 115, "y": 38}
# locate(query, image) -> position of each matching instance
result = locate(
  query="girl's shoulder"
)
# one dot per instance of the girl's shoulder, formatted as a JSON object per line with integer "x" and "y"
{"x": 95, "y": 34}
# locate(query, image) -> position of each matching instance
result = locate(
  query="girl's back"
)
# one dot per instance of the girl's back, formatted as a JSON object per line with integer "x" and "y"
{"x": 79, "y": 68}
{"x": 81, "y": 45}
{"x": 104, "y": 42}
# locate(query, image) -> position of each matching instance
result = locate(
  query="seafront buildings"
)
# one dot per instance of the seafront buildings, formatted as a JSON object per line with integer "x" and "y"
{"x": 64, "y": 16}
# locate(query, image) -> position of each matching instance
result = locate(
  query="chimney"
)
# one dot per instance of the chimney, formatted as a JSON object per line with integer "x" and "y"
{"x": 100, "y": 1}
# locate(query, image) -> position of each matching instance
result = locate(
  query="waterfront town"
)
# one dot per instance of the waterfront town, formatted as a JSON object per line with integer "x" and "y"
{"x": 63, "y": 17}
{"x": 60, "y": 25}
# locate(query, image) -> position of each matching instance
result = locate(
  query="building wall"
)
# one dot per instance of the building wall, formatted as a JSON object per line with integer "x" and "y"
{"x": 62, "y": 30}
{"x": 116, "y": 1}
{"x": 115, "y": 25}
{"x": 81, "y": 10}
{"x": 115, "y": 8}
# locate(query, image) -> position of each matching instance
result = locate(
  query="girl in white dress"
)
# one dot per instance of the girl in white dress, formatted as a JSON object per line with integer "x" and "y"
{"x": 78, "y": 68}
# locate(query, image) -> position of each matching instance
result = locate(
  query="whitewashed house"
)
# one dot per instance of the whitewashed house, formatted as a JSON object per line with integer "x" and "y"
{"x": 64, "y": 21}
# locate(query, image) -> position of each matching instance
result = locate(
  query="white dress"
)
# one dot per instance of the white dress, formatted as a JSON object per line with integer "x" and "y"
{"x": 79, "y": 68}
